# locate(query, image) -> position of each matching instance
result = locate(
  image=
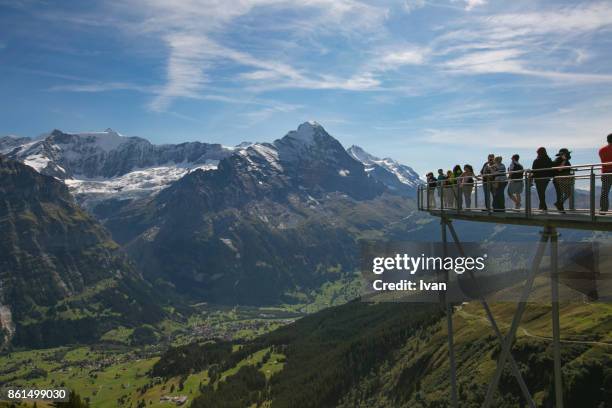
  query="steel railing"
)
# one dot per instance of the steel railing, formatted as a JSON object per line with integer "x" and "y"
{"x": 584, "y": 189}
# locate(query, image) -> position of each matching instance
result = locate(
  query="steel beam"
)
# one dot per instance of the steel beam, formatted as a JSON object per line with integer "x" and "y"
{"x": 509, "y": 339}
{"x": 515, "y": 368}
{"x": 449, "y": 325}
{"x": 554, "y": 283}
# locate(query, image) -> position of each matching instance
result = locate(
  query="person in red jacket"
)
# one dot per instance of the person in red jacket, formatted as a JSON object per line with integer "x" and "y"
{"x": 605, "y": 153}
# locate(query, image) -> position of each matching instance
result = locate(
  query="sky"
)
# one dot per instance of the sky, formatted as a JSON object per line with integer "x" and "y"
{"x": 430, "y": 83}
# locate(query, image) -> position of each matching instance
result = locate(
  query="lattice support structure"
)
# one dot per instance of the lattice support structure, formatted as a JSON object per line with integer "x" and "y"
{"x": 549, "y": 235}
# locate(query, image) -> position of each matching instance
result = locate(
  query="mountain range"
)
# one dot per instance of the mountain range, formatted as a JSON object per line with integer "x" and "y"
{"x": 257, "y": 223}
{"x": 100, "y": 166}
{"x": 271, "y": 219}
{"x": 101, "y": 232}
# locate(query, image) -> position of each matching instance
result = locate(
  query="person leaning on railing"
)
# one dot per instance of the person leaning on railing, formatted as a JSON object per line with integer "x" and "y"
{"x": 605, "y": 154}
{"x": 562, "y": 180}
{"x": 541, "y": 174}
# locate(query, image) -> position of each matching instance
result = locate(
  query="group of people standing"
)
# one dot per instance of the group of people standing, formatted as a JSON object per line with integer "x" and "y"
{"x": 455, "y": 187}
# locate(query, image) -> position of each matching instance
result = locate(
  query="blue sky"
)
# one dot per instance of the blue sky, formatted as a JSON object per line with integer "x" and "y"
{"x": 429, "y": 83}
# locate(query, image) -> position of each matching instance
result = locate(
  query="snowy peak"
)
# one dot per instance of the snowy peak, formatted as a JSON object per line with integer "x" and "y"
{"x": 307, "y": 133}
{"x": 106, "y": 141}
{"x": 361, "y": 155}
{"x": 310, "y": 139}
{"x": 9, "y": 142}
{"x": 394, "y": 175}
{"x": 109, "y": 154}
{"x": 101, "y": 165}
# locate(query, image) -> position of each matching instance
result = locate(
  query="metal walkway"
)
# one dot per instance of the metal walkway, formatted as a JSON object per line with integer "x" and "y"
{"x": 584, "y": 189}
{"x": 583, "y": 192}
{"x": 571, "y": 219}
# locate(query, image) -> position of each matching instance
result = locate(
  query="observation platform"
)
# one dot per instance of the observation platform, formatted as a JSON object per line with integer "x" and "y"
{"x": 583, "y": 189}
{"x": 573, "y": 219}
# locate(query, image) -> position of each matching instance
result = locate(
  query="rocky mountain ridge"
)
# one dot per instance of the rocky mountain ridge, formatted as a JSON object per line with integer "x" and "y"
{"x": 106, "y": 166}
{"x": 62, "y": 277}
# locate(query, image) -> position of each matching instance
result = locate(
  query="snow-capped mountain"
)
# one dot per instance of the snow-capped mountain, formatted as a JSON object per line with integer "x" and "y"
{"x": 8, "y": 143}
{"x": 308, "y": 159}
{"x": 397, "y": 177}
{"x": 98, "y": 166}
{"x": 224, "y": 234}
{"x": 101, "y": 165}
{"x": 109, "y": 154}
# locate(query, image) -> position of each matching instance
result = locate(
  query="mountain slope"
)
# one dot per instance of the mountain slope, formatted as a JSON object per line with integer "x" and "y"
{"x": 271, "y": 219}
{"x": 8, "y": 143}
{"x": 62, "y": 278}
{"x": 396, "y": 355}
{"x": 399, "y": 178}
{"x": 107, "y": 154}
{"x": 98, "y": 166}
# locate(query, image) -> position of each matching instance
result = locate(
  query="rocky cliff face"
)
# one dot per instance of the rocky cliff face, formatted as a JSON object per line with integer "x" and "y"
{"x": 59, "y": 269}
{"x": 108, "y": 154}
{"x": 106, "y": 169}
{"x": 397, "y": 177}
{"x": 271, "y": 219}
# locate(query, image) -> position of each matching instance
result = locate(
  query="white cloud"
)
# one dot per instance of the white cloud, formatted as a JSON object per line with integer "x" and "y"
{"x": 185, "y": 71}
{"x": 575, "y": 19}
{"x": 471, "y": 4}
{"x": 483, "y": 62}
{"x": 259, "y": 115}
{"x": 579, "y": 126}
{"x": 103, "y": 87}
{"x": 240, "y": 48}
{"x": 188, "y": 26}
{"x": 542, "y": 44}
{"x": 412, "y": 56}
{"x": 191, "y": 55}
{"x": 411, "y": 5}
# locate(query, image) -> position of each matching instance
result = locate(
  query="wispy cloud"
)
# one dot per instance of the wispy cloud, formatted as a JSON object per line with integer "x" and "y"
{"x": 471, "y": 4}
{"x": 102, "y": 87}
{"x": 581, "y": 125}
{"x": 402, "y": 57}
{"x": 411, "y": 5}
{"x": 259, "y": 115}
{"x": 193, "y": 52}
{"x": 527, "y": 44}
{"x": 238, "y": 52}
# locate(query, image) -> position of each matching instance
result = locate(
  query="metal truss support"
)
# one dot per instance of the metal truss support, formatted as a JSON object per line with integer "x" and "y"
{"x": 514, "y": 366}
{"x": 449, "y": 324}
{"x": 554, "y": 282}
{"x": 509, "y": 339}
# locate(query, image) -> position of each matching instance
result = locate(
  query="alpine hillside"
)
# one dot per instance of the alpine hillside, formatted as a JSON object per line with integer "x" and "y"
{"x": 62, "y": 278}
